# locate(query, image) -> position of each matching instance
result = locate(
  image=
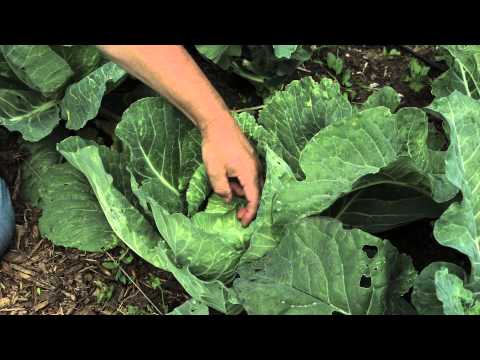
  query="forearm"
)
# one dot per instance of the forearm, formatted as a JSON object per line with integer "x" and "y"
{"x": 170, "y": 70}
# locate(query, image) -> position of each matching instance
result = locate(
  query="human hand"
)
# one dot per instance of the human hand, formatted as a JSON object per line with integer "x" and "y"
{"x": 228, "y": 154}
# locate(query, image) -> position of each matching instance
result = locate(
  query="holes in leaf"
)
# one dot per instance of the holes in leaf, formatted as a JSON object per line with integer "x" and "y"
{"x": 336, "y": 313}
{"x": 365, "y": 282}
{"x": 371, "y": 251}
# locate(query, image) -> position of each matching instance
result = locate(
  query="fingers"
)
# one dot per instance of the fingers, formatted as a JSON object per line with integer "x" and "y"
{"x": 241, "y": 213}
{"x": 220, "y": 184}
{"x": 250, "y": 186}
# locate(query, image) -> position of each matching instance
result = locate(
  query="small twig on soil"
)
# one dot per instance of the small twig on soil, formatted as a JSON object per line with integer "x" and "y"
{"x": 252, "y": 108}
{"x": 35, "y": 248}
{"x": 429, "y": 62}
{"x": 135, "y": 284}
{"x": 329, "y": 73}
{"x": 303, "y": 69}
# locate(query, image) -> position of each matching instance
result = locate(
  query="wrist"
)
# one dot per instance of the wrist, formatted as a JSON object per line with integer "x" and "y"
{"x": 218, "y": 124}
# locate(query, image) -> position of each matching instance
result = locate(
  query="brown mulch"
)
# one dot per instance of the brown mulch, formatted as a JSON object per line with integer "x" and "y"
{"x": 38, "y": 278}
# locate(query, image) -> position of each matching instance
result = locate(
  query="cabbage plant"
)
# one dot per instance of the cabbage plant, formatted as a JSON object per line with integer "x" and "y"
{"x": 333, "y": 170}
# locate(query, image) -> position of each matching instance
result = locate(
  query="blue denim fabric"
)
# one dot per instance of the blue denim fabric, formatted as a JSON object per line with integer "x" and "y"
{"x": 7, "y": 218}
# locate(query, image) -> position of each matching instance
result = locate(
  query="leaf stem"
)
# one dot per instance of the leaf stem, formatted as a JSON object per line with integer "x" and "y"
{"x": 464, "y": 78}
{"x": 392, "y": 183}
{"x": 347, "y": 205}
{"x": 252, "y": 108}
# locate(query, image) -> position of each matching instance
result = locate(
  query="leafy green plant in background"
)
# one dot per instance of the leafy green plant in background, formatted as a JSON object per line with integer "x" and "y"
{"x": 267, "y": 67}
{"x": 103, "y": 292}
{"x": 41, "y": 85}
{"x": 390, "y": 52}
{"x": 417, "y": 78}
{"x": 336, "y": 64}
{"x": 115, "y": 265}
{"x": 337, "y": 176}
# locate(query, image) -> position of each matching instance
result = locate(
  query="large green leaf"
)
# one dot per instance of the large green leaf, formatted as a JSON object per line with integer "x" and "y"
{"x": 5, "y": 70}
{"x": 82, "y": 100}
{"x": 455, "y": 298}
{"x": 424, "y": 295}
{"x": 198, "y": 190}
{"x": 297, "y": 113}
{"x": 128, "y": 223}
{"x": 38, "y": 66}
{"x": 29, "y": 113}
{"x": 190, "y": 157}
{"x": 408, "y": 189}
{"x": 383, "y": 207}
{"x": 93, "y": 161}
{"x": 190, "y": 307}
{"x": 256, "y": 133}
{"x": 72, "y": 216}
{"x": 83, "y": 59}
{"x": 373, "y": 148}
{"x": 211, "y": 243}
{"x": 448, "y": 82}
{"x": 406, "y": 173}
{"x": 154, "y": 133}
{"x": 420, "y": 166}
{"x": 8, "y": 79}
{"x": 443, "y": 288}
{"x": 385, "y": 96}
{"x": 464, "y": 73}
{"x": 263, "y": 239}
{"x": 335, "y": 159}
{"x": 40, "y": 157}
{"x": 319, "y": 268}
{"x": 459, "y": 226}
{"x": 440, "y": 289}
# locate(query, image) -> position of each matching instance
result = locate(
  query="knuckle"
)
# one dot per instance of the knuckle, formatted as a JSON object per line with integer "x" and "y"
{"x": 222, "y": 190}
